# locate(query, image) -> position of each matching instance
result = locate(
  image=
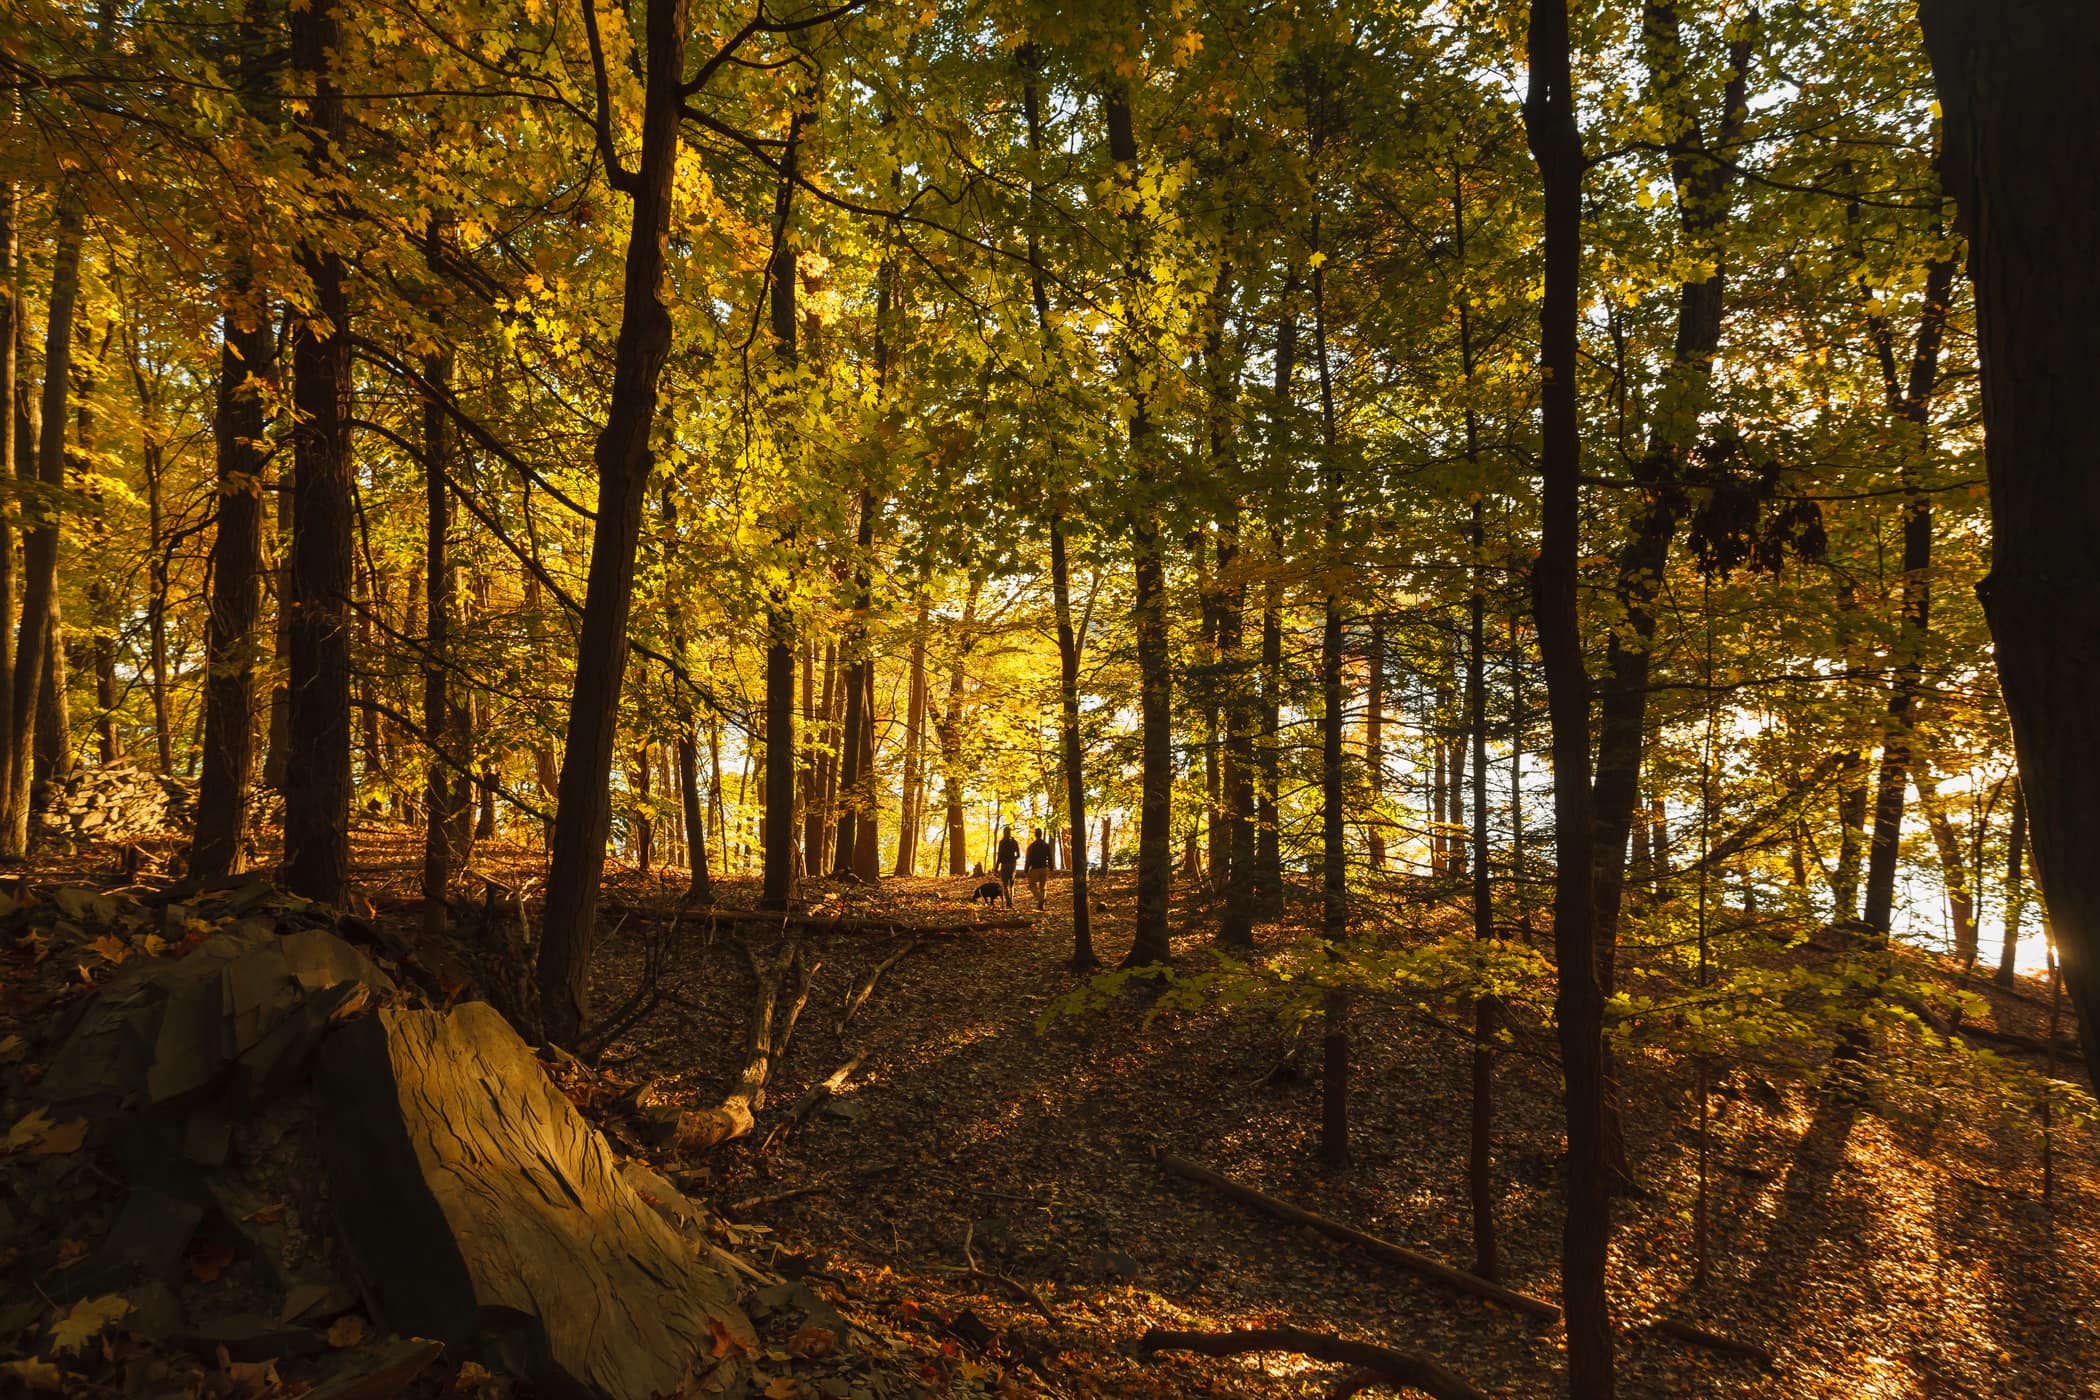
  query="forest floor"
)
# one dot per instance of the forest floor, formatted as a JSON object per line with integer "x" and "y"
{"x": 1892, "y": 1247}
{"x": 985, "y": 1187}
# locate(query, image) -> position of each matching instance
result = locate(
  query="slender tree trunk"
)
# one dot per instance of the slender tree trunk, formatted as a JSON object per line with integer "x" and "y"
{"x": 40, "y": 549}
{"x": 583, "y": 817}
{"x": 1268, "y": 853}
{"x": 317, "y": 775}
{"x": 867, "y": 844}
{"x": 1909, "y": 402}
{"x": 441, "y": 787}
{"x": 777, "y": 881}
{"x": 247, "y": 367}
{"x": 1334, "y": 869}
{"x": 2015, "y": 887}
{"x": 701, "y": 889}
{"x": 909, "y": 817}
{"x": 951, "y": 738}
{"x": 14, "y": 447}
{"x": 1954, "y": 868}
{"x": 2022, "y": 160}
{"x": 855, "y": 789}
{"x": 1151, "y": 944}
{"x": 1556, "y": 143}
{"x": 1480, "y": 1168}
{"x": 1374, "y": 740}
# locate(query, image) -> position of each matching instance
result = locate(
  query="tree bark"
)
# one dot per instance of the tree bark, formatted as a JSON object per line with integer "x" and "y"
{"x": 1151, "y": 945}
{"x": 2023, "y": 163}
{"x": 1268, "y": 852}
{"x": 1556, "y": 143}
{"x": 777, "y": 871}
{"x": 441, "y": 787}
{"x": 317, "y": 774}
{"x": 583, "y": 816}
{"x": 2015, "y": 887}
{"x": 36, "y": 643}
{"x": 909, "y": 818}
{"x": 1334, "y": 868}
{"x": 14, "y": 432}
{"x": 247, "y": 367}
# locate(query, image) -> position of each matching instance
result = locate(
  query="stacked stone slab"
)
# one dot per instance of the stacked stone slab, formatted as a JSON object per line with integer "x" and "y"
{"x": 120, "y": 802}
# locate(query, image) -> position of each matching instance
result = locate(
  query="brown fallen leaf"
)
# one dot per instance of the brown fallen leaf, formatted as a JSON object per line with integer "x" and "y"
{"x": 346, "y": 1331}
{"x": 812, "y": 1342}
{"x": 58, "y": 1141}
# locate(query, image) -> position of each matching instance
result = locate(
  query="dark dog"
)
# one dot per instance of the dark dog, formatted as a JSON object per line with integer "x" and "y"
{"x": 990, "y": 892}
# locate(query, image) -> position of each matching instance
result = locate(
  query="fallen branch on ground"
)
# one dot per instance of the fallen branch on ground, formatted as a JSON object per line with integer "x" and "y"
{"x": 772, "y": 1023}
{"x": 867, "y": 986}
{"x": 1397, "y": 1368}
{"x": 1411, "y": 1260}
{"x": 811, "y": 1099}
{"x": 1714, "y": 1341}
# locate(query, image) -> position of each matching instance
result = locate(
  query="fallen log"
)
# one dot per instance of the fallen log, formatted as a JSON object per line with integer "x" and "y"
{"x": 1714, "y": 1341}
{"x": 1399, "y": 1368}
{"x": 1413, "y": 1261}
{"x": 873, "y": 924}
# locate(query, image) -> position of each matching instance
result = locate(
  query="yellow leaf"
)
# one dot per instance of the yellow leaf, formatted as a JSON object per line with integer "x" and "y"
{"x": 782, "y": 1388}
{"x": 111, "y": 948}
{"x": 85, "y": 1320}
{"x": 346, "y": 1331}
{"x": 34, "y": 1125}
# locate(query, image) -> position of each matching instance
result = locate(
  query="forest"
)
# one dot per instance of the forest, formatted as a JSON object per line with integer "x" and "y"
{"x": 900, "y": 698}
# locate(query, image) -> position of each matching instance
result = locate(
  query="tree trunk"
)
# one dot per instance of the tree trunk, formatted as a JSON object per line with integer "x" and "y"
{"x": 1268, "y": 852}
{"x": 1556, "y": 143}
{"x": 1150, "y": 945}
{"x": 1909, "y": 402}
{"x": 441, "y": 787}
{"x": 867, "y": 845}
{"x": 583, "y": 815}
{"x": 854, "y": 786}
{"x": 1334, "y": 868}
{"x": 777, "y": 876}
{"x": 37, "y": 642}
{"x": 909, "y": 818}
{"x": 2021, "y": 162}
{"x": 317, "y": 774}
{"x": 247, "y": 367}
{"x": 14, "y": 449}
{"x": 1374, "y": 738}
{"x": 1954, "y": 869}
{"x": 2015, "y": 887}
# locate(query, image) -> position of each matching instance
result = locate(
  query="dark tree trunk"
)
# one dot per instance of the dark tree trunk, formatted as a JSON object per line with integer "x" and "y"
{"x": 701, "y": 888}
{"x": 247, "y": 366}
{"x": 317, "y": 773}
{"x": 583, "y": 814}
{"x": 441, "y": 787}
{"x": 909, "y": 816}
{"x": 855, "y": 789}
{"x": 14, "y": 449}
{"x": 1480, "y": 1168}
{"x": 867, "y": 844}
{"x": 1334, "y": 867}
{"x": 2022, "y": 160}
{"x": 1909, "y": 401}
{"x": 1268, "y": 852}
{"x": 1556, "y": 143}
{"x": 1070, "y": 741}
{"x": 1155, "y": 873}
{"x": 37, "y": 642}
{"x": 2015, "y": 887}
{"x": 822, "y": 745}
{"x": 777, "y": 874}
{"x": 1374, "y": 740}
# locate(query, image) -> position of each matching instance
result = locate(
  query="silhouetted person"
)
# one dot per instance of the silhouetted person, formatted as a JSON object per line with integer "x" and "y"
{"x": 1009, "y": 859}
{"x": 1040, "y": 859}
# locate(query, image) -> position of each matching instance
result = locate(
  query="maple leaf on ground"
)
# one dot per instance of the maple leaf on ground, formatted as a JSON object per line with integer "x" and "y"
{"x": 813, "y": 1342}
{"x": 726, "y": 1341}
{"x": 85, "y": 1321}
{"x": 782, "y": 1388}
{"x": 111, "y": 948}
{"x": 346, "y": 1331}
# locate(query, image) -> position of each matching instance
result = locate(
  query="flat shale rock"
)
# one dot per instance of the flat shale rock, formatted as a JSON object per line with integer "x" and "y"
{"x": 480, "y": 1209}
{"x": 234, "y": 1022}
